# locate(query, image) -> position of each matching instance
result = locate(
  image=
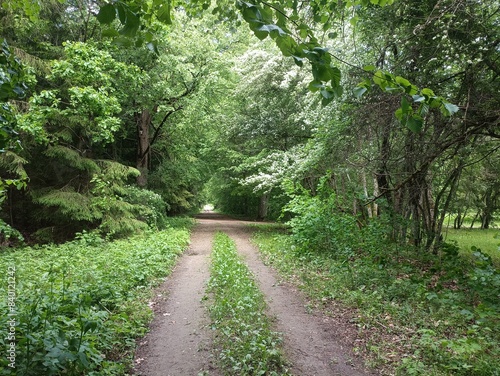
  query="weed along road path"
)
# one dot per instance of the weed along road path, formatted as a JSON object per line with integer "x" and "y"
{"x": 179, "y": 342}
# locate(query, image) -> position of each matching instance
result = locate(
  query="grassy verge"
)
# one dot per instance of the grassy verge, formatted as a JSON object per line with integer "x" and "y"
{"x": 79, "y": 306}
{"x": 486, "y": 240}
{"x": 244, "y": 338}
{"x": 419, "y": 317}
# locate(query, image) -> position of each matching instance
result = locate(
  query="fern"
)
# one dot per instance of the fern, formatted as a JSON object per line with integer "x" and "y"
{"x": 116, "y": 171}
{"x": 114, "y": 205}
{"x": 33, "y": 61}
{"x": 12, "y": 173}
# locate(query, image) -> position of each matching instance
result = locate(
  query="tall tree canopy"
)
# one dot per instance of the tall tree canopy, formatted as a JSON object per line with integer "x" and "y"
{"x": 176, "y": 93}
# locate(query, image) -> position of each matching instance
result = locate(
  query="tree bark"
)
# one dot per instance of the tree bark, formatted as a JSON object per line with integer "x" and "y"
{"x": 263, "y": 206}
{"x": 143, "y": 149}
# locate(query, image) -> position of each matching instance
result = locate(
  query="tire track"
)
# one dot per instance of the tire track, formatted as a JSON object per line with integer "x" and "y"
{"x": 179, "y": 342}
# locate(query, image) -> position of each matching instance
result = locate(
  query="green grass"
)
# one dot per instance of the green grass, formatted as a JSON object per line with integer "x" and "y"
{"x": 80, "y": 306}
{"x": 486, "y": 240}
{"x": 245, "y": 342}
{"x": 420, "y": 316}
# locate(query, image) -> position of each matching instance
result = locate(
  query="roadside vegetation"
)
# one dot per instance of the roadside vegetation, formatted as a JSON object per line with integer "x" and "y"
{"x": 369, "y": 126}
{"x": 244, "y": 339}
{"x": 80, "y": 306}
{"x": 488, "y": 240}
{"x": 417, "y": 315}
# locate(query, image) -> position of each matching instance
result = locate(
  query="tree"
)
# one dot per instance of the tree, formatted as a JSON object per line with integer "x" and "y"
{"x": 457, "y": 42}
{"x": 69, "y": 130}
{"x": 263, "y": 122}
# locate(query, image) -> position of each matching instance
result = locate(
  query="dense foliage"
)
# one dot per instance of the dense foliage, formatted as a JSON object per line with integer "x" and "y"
{"x": 368, "y": 126}
{"x": 100, "y": 119}
{"x": 128, "y": 86}
{"x": 78, "y": 307}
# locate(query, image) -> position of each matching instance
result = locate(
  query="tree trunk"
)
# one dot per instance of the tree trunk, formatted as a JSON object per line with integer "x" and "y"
{"x": 263, "y": 206}
{"x": 143, "y": 147}
{"x": 474, "y": 219}
{"x": 365, "y": 192}
{"x": 376, "y": 191}
{"x": 489, "y": 208}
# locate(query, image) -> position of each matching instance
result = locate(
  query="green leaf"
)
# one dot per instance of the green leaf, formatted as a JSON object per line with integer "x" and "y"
{"x": 327, "y": 93}
{"x": 399, "y": 114}
{"x": 402, "y": 81}
{"x": 83, "y": 359}
{"x": 107, "y": 14}
{"x": 418, "y": 98}
{"x": 450, "y": 108}
{"x": 379, "y": 79}
{"x": 423, "y": 109}
{"x": 409, "y": 88}
{"x": 415, "y": 123}
{"x": 89, "y": 326}
{"x": 405, "y": 105}
{"x": 274, "y": 30}
{"x": 164, "y": 13}
{"x": 434, "y": 102}
{"x": 427, "y": 92}
{"x": 251, "y": 13}
{"x": 304, "y": 32}
{"x": 369, "y": 68}
{"x": 315, "y": 86}
{"x": 131, "y": 25}
{"x": 287, "y": 45}
{"x": 359, "y": 91}
{"x": 111, "y": 32}
{"x": 261, "y": 34}
{"x": 336, "y": 76}
{"x": 122, "y": 13}
{"x": 298, "y": 60}
{"x": 322, "y": 72}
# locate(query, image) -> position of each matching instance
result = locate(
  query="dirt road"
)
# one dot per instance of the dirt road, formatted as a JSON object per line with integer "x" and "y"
{"x": 179, "y": 342}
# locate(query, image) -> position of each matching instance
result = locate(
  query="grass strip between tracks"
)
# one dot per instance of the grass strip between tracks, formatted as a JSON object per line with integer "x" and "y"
{"x": 245, "y": 342}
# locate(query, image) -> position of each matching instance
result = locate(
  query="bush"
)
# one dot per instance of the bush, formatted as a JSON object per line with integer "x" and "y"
{"x": 425, "y": 314}
{"x": 318, "y": 224}
{"x": 150, "y": 206}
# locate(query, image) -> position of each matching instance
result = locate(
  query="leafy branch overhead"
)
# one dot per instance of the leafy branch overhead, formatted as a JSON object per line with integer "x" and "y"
{"x": 293, "y": 26}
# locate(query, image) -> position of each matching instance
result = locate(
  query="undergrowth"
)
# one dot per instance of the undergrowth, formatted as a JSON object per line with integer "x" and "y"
{"x": 421, "y": 314}
{"x": 244, "y": 338}
{"x": 78, "y": 307}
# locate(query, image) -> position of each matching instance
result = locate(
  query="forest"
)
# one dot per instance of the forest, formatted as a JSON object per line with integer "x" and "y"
{"x": 364, "y": 136}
